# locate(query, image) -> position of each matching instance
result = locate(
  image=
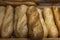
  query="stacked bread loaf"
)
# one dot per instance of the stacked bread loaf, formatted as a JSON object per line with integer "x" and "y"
{"x": 2, "y": 13}
{"x": 7, "y": 26}
{"x": 34, "y": 24}
{"x": 20, "y": 28}
{"x": 24, "y": 19}
{"x": 23, "y": 0}
{"x": 29, "y": 22}
{"x": 57, "y": 17}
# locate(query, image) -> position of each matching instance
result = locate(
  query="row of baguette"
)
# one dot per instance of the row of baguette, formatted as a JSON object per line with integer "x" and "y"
{"x": 29, "y": 21}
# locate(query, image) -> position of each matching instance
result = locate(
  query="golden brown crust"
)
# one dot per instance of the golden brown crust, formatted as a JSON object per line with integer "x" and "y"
{"x": 49, "y": 20}
{"x": 17, "y": 3}
{"x": 43, "y": 23}
{"x": 2, "y": 13}
{"x": 23, "y": 0}
{"x": 57, "y": 17}
{"x": 21, "y": 21}
{"x": 7, "y": 27}
{"x": 34, "y": 24}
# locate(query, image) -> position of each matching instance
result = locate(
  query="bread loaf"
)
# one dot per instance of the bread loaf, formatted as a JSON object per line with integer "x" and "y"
{"x": 49, "y": 20}
{"x": 34, "y": 24}
{"x": 43, "y": 23}
{"x": 2, "y": 13}
{"x": 23, "y": 0}
{"x": 20, "y": 27}
{"x": 7, "y": 27}
{"x": 17, "y": 3}
{"x": 57, "y": 17}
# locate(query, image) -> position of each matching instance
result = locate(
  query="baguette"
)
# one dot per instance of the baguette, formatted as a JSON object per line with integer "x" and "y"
{"x": 2, "y": 13}
{"x": 57, "y": 17}
{"x": 20, "y": 27}
{"x": 23, "y": 0}
{"x": 49, "y": 20}
{"x": 7, "y": 27}
{"x": 34, "y": 24}
{"x": 17, "y": 3}
{"x": 43, "y": 23}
